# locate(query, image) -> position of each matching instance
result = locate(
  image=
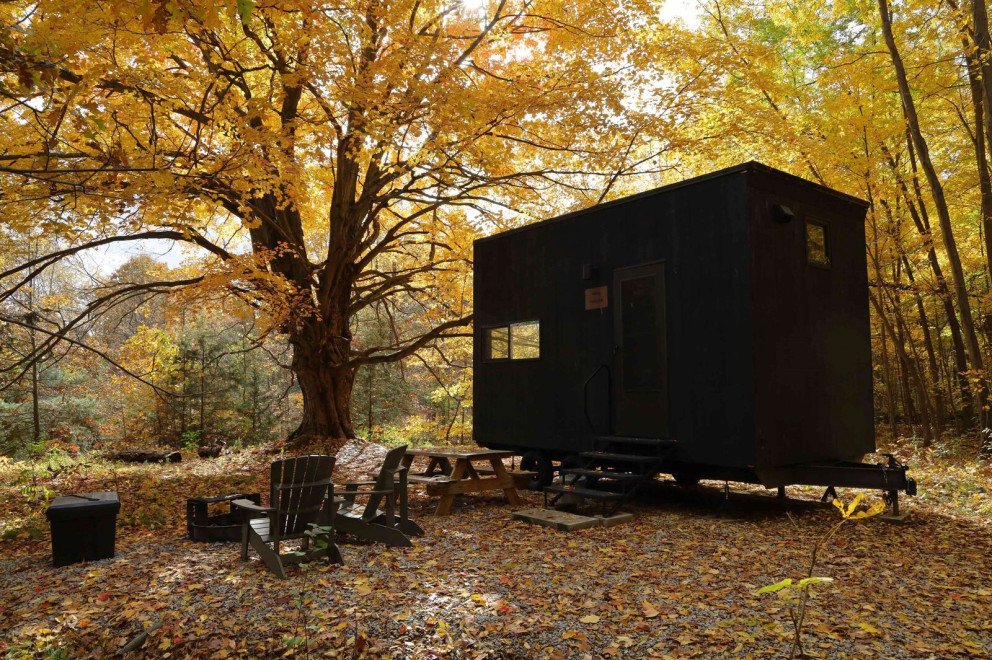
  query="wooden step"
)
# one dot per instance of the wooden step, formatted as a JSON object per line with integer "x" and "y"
{"x": 603, "y": 474}
{"x": 586, "y": 493}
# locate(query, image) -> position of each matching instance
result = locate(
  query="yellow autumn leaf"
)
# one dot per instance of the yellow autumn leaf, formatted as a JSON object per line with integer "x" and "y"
{"x": 868, "y": 628}
{"x": 591, "y": 618}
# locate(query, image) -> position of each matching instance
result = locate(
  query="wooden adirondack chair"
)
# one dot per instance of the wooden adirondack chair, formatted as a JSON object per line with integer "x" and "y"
{"x": 385, "y": 516}
{"x": 300, "y": 493}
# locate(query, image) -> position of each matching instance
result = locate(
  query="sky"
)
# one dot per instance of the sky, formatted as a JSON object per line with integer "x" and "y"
{"x": 104, "y": 261}
{"x": 686, "y": 10}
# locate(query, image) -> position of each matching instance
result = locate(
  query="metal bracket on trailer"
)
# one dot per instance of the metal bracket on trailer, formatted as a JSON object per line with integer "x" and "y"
{"x": 889, "y": 477}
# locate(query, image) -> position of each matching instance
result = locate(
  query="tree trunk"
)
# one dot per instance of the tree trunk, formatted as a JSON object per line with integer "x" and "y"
{"x": 35, "y": 409}
{"x": 145, "y": 456}
{"x": 326, "y": 380}
{"x": 938, "y": 397}
{"x": 890, "y": 398}
{"x": 980, "y": 112}
{"x": 983, "y": 42}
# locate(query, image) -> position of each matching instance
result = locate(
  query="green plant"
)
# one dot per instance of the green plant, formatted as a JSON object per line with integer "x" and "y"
{"x": 795, "y": 593}
{"x": 190, "y": 439}
{"x": 320, "y": 537}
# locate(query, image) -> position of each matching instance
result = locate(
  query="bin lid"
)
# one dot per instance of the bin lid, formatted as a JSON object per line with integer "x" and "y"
{"x": 83, "y": 505}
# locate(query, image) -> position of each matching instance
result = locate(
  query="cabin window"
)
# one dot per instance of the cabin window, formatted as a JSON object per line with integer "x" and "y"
{"x": 516, "y": 341}
{"x": 498, "y": 343}
{"x": 817, "y": 253}
{"x": 525, "y": 340}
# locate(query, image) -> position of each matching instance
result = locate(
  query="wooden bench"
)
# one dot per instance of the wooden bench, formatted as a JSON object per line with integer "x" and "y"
{"x": 522, "y": 478}
{"x": 436, "y": 485}
{"x": 452, "y": 472}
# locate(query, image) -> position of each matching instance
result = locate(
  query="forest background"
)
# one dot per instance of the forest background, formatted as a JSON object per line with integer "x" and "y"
{"x": 124, "y": 322}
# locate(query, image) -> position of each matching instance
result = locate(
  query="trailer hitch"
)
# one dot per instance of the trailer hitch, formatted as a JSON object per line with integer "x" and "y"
{"x": 894, "y": 464}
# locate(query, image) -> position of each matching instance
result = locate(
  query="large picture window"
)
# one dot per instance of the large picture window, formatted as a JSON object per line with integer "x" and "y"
{"x": 514, "y": 341}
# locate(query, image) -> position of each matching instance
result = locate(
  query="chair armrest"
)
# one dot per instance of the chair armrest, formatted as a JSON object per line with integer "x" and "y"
{"x": 251, "y": 507}
{"x": 363, "y": 492}
{"x": 310, "y": 484}
{"x": 356, "y": 484}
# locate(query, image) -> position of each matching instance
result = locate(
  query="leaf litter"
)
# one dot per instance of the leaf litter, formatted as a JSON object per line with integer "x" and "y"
{"x": 677, "y": 582}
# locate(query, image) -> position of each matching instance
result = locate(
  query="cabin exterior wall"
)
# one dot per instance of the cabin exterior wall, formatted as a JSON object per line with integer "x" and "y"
{"x": 768, "y": 357}
{"x": 812, "y": 352}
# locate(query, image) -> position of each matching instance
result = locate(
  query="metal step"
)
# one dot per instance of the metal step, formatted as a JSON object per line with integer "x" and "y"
{"x": 587, "y": 493}
{"x": 603, "y": 474}
{"x": 602, "y": 457}
{"x": 623, "y": 444}
{"x": 630, "y": 440}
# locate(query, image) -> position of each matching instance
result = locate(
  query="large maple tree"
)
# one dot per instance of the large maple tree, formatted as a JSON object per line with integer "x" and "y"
{"x": 324, "y": 158}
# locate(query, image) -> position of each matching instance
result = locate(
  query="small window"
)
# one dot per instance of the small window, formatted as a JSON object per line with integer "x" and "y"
{"x": 525, "y": 341}
{"x": 816, "y": 245}
{"x": 516, "y": 341}
{"x": 497, "y": 343}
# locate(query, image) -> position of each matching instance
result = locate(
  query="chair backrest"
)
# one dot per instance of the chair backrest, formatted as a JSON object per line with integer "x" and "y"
{"x": 385, "y": 480}
{"x": 298, "y": 488}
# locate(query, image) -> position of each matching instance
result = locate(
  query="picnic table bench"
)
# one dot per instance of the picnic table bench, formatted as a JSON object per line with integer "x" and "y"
{"x": 452, "y": 472}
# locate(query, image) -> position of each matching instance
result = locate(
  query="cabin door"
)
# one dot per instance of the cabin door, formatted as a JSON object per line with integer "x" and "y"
{"x": 640, "y": 391}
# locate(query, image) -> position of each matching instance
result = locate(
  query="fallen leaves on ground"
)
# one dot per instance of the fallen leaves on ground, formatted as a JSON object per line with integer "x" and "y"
{"x": 677, "y": 582}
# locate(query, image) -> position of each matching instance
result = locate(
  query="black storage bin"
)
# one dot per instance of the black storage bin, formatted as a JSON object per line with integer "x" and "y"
{"x": 84, "y": 527}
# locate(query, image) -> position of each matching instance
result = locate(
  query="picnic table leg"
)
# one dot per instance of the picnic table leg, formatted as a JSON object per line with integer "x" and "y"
{"x": 448, "y": 498}
{"x": 510, "y": 488}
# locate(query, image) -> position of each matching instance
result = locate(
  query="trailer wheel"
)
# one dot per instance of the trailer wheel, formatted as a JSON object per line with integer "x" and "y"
{"x": 540, "y": 462}
{"x": 685, "y": 479}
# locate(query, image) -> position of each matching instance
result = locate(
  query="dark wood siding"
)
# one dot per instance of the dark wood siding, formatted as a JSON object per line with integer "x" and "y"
{"x": 758, "y": 347}
{"x": 812, "y": 357}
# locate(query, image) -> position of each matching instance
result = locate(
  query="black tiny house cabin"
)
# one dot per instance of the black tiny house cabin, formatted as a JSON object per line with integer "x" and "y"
{"x": 727, "y": 313}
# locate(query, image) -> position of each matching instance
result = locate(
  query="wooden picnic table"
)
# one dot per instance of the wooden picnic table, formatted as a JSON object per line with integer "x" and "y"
{"x": 453, "y": 472}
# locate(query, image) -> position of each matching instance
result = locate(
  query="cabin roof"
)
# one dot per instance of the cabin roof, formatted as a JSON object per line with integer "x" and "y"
{"x": 749, "y": 166}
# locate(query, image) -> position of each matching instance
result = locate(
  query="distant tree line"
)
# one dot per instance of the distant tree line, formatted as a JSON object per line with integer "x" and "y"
{"x": 174, "y": 374}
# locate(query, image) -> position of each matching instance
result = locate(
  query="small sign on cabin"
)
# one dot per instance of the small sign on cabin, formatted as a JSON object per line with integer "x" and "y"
{"x": 596, "y": 298}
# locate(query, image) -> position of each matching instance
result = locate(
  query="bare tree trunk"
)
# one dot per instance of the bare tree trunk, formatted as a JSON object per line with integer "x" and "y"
{"x": 940, "y": 203}
{"x": 983, "y": 56}
{"x": 931, "y": 354}
{"x": 980, "y": 106}
{"x": 889, "y": 396}
{"x": 35, "y": 406}
{"x": 203, "y": 395}
{"x": 369, "y": 411}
